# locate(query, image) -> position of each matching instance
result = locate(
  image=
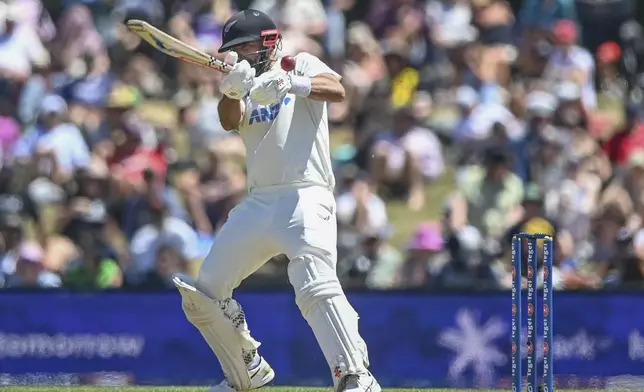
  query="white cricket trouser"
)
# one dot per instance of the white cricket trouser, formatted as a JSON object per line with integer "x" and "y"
{"x": 300, "y": 223}
{"x": 268, "y": 223}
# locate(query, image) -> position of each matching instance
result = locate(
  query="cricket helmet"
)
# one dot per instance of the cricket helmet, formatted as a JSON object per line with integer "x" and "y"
{"x": 249, "y": 26}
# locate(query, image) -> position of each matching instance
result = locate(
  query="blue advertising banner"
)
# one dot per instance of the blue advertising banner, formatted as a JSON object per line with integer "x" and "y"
{"x": 415, "y": 339}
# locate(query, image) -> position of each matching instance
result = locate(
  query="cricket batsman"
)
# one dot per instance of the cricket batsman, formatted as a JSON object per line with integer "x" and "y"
{"x": 290, "y": 209}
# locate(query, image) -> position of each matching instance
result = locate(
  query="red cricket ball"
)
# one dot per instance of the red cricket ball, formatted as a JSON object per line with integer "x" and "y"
{"x": 288, "y": 63}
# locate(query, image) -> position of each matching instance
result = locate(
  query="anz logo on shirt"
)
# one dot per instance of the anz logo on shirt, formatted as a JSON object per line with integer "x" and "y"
{"x": 267, "y": 113}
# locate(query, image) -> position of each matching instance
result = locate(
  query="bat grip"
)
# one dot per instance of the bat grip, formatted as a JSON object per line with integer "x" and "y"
{"x": 229, "y": 62}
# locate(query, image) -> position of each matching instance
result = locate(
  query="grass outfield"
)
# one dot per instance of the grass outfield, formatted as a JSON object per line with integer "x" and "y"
{"x": 202, "y": 389}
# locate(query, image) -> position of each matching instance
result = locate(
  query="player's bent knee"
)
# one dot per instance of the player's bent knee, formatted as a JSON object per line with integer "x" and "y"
{"x": 215, "y": 284}
{"x": 313, "y": 280}
{"x": 222, "y": 323}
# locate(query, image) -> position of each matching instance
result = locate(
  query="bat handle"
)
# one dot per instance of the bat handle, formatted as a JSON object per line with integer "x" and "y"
{"x": 231, "y": 59}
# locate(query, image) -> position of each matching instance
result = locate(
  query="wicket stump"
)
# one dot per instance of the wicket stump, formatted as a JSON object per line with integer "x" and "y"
{"x": 532, "y": 274}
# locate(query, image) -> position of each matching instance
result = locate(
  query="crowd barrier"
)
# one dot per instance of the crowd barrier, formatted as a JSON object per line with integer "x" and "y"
{"x": 415, "y": 339}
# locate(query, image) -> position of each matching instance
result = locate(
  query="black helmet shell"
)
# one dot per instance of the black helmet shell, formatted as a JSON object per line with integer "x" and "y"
{"x": 248, "y": 26}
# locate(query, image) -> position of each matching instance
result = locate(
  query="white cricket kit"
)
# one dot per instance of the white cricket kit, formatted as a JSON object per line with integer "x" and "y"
{"x": 287, "y": 143}
{"x": 290, "y": 209}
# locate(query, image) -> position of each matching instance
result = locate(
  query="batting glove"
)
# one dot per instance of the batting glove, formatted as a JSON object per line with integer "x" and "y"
{"x": 238, "y": 82}
{"x": 270, "y": 87}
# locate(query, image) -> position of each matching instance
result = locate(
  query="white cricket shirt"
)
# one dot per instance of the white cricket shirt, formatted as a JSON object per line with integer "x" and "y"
{"x": 561, "y": 66}
{"x": 287, "y": 142}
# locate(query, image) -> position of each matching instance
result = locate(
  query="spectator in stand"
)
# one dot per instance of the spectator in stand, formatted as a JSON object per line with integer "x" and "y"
{"x": 426, "y": 257}
{"x": 9, "y": 131}
{"x": 84, "y": 213}
{"x": 221, "y": 185}
{"x": 629, "y": 138}
{"x": 364, "y": 66}
{"x": 56, "y": 144}
{"x": 537, "y": 18}
{"x": 103, "y": 136}
{"x": 450, "y": 23}
{"x": 407, "y": 157}
{"x": 572, "y": 63}
{"x": 12, "y": 235}
{"x": 93, "y": 268}
{"x": 376, "y": 264}
{"x": 163, "y": 230}
{"x": 30, "y": 271}
{"x": 608, "y": 56}
{"x": 479, "y": 115}
{"x": 20, "y": 50}
{"x": 543, "y": 15}
{"x": 168, "y": 262}
{"x": 359, "y": 209}
{"x": 566, "y": 273}
{"x": 77, "y": 39}
{"x": 303, "y": 22}
{"x": 488, "y": 196}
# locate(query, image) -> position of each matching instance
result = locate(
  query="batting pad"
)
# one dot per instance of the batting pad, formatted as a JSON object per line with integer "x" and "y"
{"x": 333, "y": 320}
{"x": 223, "y": 325}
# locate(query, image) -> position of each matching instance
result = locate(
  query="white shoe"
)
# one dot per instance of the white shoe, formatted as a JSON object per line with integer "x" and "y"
{"x": 260, "y": 375}
{"x": 364, "y": 382}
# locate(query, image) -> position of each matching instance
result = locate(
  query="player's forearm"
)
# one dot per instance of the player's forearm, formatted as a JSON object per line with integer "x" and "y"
{"x": 230, "y": 113}
{"x": 322, "y": 88}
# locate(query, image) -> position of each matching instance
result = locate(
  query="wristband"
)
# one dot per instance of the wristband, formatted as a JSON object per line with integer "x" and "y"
{"x": 300, "y": 86}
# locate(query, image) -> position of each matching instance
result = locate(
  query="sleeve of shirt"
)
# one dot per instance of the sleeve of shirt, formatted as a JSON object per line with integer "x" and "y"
{"x": 308, "y": 65}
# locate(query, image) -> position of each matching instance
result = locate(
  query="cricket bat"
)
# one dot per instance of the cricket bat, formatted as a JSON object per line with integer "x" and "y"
{"x": 175, "y": 48}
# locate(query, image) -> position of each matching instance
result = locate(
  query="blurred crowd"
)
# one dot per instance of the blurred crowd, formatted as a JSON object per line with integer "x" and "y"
{"x": 116, "y": 172}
